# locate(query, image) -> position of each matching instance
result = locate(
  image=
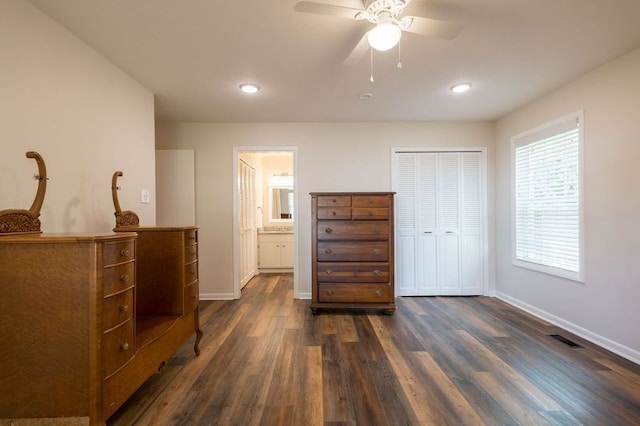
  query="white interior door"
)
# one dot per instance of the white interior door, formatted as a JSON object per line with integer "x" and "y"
{"x": 439, "y": 222}
{"x": 247, "y": 223}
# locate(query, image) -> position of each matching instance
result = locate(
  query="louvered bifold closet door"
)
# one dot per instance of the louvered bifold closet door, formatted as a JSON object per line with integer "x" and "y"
{"x": 439, "y": 223}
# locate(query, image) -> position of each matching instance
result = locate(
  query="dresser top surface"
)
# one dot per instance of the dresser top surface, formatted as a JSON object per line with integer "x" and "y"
{"x": 65, "y": 238}
{"x": 315, "y": 194}
{"x": 154, "y": 228}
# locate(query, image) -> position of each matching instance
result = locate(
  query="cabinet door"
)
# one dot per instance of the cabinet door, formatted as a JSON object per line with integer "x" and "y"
{"x": 269, "y": 254}
{"x": 286, "y": 253}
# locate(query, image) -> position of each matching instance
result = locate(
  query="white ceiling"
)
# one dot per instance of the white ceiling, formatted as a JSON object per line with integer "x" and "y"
{"x": 193, "y": 54}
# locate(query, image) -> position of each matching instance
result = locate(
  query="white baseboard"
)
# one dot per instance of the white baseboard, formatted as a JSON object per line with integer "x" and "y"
{"x": 216, "y": 296}
{"x": 615, "y": 347}
{"x": 304, "y": 296}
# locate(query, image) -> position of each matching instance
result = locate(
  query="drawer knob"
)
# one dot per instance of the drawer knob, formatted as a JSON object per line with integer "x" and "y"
{"x": 124, "y": 308}
{"x": 329, "y": 292}
{"x": 377, "y": 252}
{"x": 124, "y": 347}
{"x": 370, "y": 214}
{"x": 193, "y": 270}
{"x": 377, "y": 272}
{"x": 194, "y": 297}
{"x": 378, "y": 293}
{"x": 334, "y": 213}
{"x": 124, "y": 278}
{"x": 329, "y": 271}
{"x": 328, "y": 230}
{"x": 328, "y": 251}
{"x": 376, "y": 230}
{"x": 124, "y": 253}
{"x": 335, "y": 200}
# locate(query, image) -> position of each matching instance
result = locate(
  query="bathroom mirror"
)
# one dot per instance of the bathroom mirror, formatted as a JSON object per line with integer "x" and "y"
{"x": 281, "y": 204}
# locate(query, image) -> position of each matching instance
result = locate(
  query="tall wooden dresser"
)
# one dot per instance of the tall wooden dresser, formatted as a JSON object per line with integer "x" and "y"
{"x": 352, "y": 251}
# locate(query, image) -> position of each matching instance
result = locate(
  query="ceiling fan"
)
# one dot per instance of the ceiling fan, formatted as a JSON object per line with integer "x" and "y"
{"x": 391, "y": 18}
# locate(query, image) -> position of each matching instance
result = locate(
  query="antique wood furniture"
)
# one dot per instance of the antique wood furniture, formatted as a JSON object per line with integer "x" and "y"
{"x": 83, "y": 325}
{"x": 167, "y": 287}
{"x": 352, "y": 251}
{"x": 19, "y": 221}
{"x": 67, "y": 325}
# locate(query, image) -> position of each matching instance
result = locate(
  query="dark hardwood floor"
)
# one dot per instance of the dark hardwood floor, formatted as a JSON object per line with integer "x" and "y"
{"x": 267, "y": 360}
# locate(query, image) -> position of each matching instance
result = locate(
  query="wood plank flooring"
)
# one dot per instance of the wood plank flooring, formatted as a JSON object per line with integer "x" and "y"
{"x": 266, "y": 360}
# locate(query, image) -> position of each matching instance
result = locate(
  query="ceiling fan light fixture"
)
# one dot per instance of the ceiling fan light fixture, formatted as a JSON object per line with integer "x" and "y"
{"x": 461, "y": 87}
{"x": 249, "y": 88}
{"x": 384, "y": 36}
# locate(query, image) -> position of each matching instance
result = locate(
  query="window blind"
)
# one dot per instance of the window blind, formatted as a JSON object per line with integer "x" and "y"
{"x": 547, "y": 195}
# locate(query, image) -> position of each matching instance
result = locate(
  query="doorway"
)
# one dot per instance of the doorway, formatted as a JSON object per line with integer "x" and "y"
{"x": 265, "y": 199}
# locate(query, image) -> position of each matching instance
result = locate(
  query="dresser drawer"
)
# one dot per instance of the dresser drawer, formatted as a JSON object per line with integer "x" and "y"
{"x": 191, "y": 296}
{"x": 370, "y": 213}
{"x": 118, "y": 347}
{"x": 353, "y": 251}
{"x": 353, "y": 272}
{"x": 334, "y": 200}
{"x": 117, "y": 309}
{"x": 190, "y": 238}
{"x": 118, "y": 252}
{"x": 190, "y": 272}
{"x": 334, "y": 213}
{"x": 370, "y": 201}
{"x": 190, "y": 253}
{"x": 118, "y": 278}
{"x": 348, "y": 293}
{"x": 353, "y": 230}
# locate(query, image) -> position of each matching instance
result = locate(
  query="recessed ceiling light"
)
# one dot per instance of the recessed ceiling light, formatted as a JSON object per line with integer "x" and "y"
{"x": 249, "y": 88}
{"x": 460, "y": 87}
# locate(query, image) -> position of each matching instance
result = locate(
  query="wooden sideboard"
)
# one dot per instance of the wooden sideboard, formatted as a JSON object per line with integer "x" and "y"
{"x": 86, "y": 319}
{"x": 352, "y": 251}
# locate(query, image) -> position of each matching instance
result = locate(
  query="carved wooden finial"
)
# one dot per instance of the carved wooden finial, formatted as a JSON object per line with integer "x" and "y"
{"x": 20, "y": 221}
{"x": 123, "y": 218}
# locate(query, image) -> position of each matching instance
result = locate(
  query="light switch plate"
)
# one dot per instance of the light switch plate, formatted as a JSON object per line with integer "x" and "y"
{"x": 145, "y": 198}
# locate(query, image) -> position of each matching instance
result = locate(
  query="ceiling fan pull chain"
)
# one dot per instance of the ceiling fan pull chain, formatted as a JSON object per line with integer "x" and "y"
{"x": 371, "y": 77}
{"x": 399, "y": 61}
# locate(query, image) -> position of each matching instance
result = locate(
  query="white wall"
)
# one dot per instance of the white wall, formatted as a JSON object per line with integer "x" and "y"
{"x": 331, "y": 157}
{"x": 83, "y": 115}
{"x": 605, "y": 307}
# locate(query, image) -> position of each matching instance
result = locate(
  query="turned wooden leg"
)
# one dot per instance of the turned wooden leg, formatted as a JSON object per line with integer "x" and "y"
{"x": 196, "y": 345}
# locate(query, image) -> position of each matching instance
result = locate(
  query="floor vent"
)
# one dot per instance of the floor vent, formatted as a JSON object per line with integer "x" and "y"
{"x": 565, "y": 340}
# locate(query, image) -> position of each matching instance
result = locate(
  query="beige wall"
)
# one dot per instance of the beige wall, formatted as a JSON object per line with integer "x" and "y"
{"x": 605, "y": 307}
{"x": 83, "y": 115}
{"x": 331, "y": 157}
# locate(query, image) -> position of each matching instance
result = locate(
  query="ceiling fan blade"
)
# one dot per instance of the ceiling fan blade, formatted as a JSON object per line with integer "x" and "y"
{"x": 326, "y": 9}
{"x": 358, "y": 52}
{"x": 447, "y": 30}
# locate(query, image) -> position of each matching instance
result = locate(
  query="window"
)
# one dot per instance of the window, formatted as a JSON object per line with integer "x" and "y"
{"x": 547, "y": 198}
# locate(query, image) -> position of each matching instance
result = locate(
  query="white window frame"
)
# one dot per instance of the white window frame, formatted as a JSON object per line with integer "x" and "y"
{"x": 540, "y": 133}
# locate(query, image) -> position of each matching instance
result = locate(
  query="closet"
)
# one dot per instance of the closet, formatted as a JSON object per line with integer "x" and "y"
{"x": 440, "y": 222}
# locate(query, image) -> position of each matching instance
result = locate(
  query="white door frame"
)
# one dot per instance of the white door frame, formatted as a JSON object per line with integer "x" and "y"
{"x": 483, "y": 189}
{"x": 236, "y": 226}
